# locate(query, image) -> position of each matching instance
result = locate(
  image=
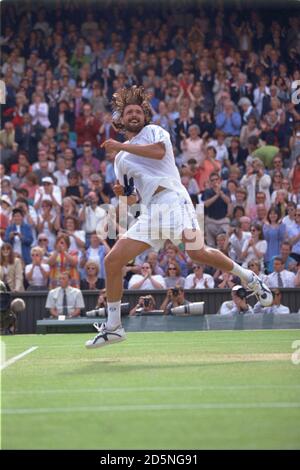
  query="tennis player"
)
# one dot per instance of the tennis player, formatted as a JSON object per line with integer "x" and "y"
{"x": 146, "y": 171}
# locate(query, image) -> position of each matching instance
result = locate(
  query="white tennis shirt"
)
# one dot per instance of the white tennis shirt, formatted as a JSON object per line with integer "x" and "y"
{"x": 148, "y": 173}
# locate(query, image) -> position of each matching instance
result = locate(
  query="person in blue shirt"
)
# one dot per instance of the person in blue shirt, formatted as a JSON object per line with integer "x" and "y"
{"x": 285, "y": 251}
{"x": 19, "y": 235}
{"x": 229, "y": 121}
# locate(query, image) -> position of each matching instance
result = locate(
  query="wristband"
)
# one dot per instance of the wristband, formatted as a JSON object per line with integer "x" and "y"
{"x": 128, "y": 186}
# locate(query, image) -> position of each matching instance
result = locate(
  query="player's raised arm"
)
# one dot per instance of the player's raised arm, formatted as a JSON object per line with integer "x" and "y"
{"x": 155, "y": 151}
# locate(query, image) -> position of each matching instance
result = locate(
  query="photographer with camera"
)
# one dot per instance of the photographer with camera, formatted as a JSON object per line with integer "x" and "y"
{"x": 145, "y": 305}
{"x": 174, "y": 298}
{"x": 102, "y": 299}
{"x": 238, "y": 304}
{"x": 100, "y": 309}
{"x": 91, "y": 215}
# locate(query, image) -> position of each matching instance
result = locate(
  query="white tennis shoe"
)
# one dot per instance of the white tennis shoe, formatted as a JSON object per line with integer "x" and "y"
{"x": 105, "y": 337}
{"x": 261, "y": 290}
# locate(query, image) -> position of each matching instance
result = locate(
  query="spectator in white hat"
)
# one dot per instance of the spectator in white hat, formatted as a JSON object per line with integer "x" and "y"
{"x": 48, "y": 191}
{"x": 5, "y": 206}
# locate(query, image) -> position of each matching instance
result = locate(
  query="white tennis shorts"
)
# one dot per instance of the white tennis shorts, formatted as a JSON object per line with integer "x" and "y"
{"x": 165, "y": 218}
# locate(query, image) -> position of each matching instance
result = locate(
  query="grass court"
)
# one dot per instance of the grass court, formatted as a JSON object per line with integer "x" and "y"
{"x": 183, "y": 390}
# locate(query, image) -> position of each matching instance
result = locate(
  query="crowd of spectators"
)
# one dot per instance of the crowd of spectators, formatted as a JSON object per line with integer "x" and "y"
{"x": 220, "y": 80}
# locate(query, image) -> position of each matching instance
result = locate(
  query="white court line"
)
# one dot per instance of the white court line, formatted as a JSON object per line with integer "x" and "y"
{"x": 159, "y": 407}
{"x": 151, "y": 389}
{"x": 16, "y": 358}
{"x": 167, "y": 343}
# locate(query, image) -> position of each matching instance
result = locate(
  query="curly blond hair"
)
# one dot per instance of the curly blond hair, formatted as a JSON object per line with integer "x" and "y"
{"x": 126, "y": 96}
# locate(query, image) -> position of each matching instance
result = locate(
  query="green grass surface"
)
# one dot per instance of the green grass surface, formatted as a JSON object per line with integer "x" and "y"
{"x": 198, "y": 390}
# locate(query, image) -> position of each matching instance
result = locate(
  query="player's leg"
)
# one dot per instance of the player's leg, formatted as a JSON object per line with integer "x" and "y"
{"x": 123, "y": 251}
{"x": 217, "y": 259}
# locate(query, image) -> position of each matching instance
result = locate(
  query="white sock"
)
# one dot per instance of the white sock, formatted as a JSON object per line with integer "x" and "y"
{"x": 243, "y": 273}
{"x": 114, "y": 315}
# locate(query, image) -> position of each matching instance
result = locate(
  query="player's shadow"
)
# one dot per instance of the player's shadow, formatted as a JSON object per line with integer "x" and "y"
{"x": 114, "y": 366}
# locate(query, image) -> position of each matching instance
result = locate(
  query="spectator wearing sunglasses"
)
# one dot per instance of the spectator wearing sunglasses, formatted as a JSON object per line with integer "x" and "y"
{"x": 43, "y": 242}
{"x": 255, "y": 266}
{"x": 198, "y": 279}
{"x": 173, "y": 276}
{"x": 92, "y": 281}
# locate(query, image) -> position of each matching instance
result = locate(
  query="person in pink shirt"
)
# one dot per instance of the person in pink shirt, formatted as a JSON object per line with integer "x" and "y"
{"x": 206, "y": 167}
